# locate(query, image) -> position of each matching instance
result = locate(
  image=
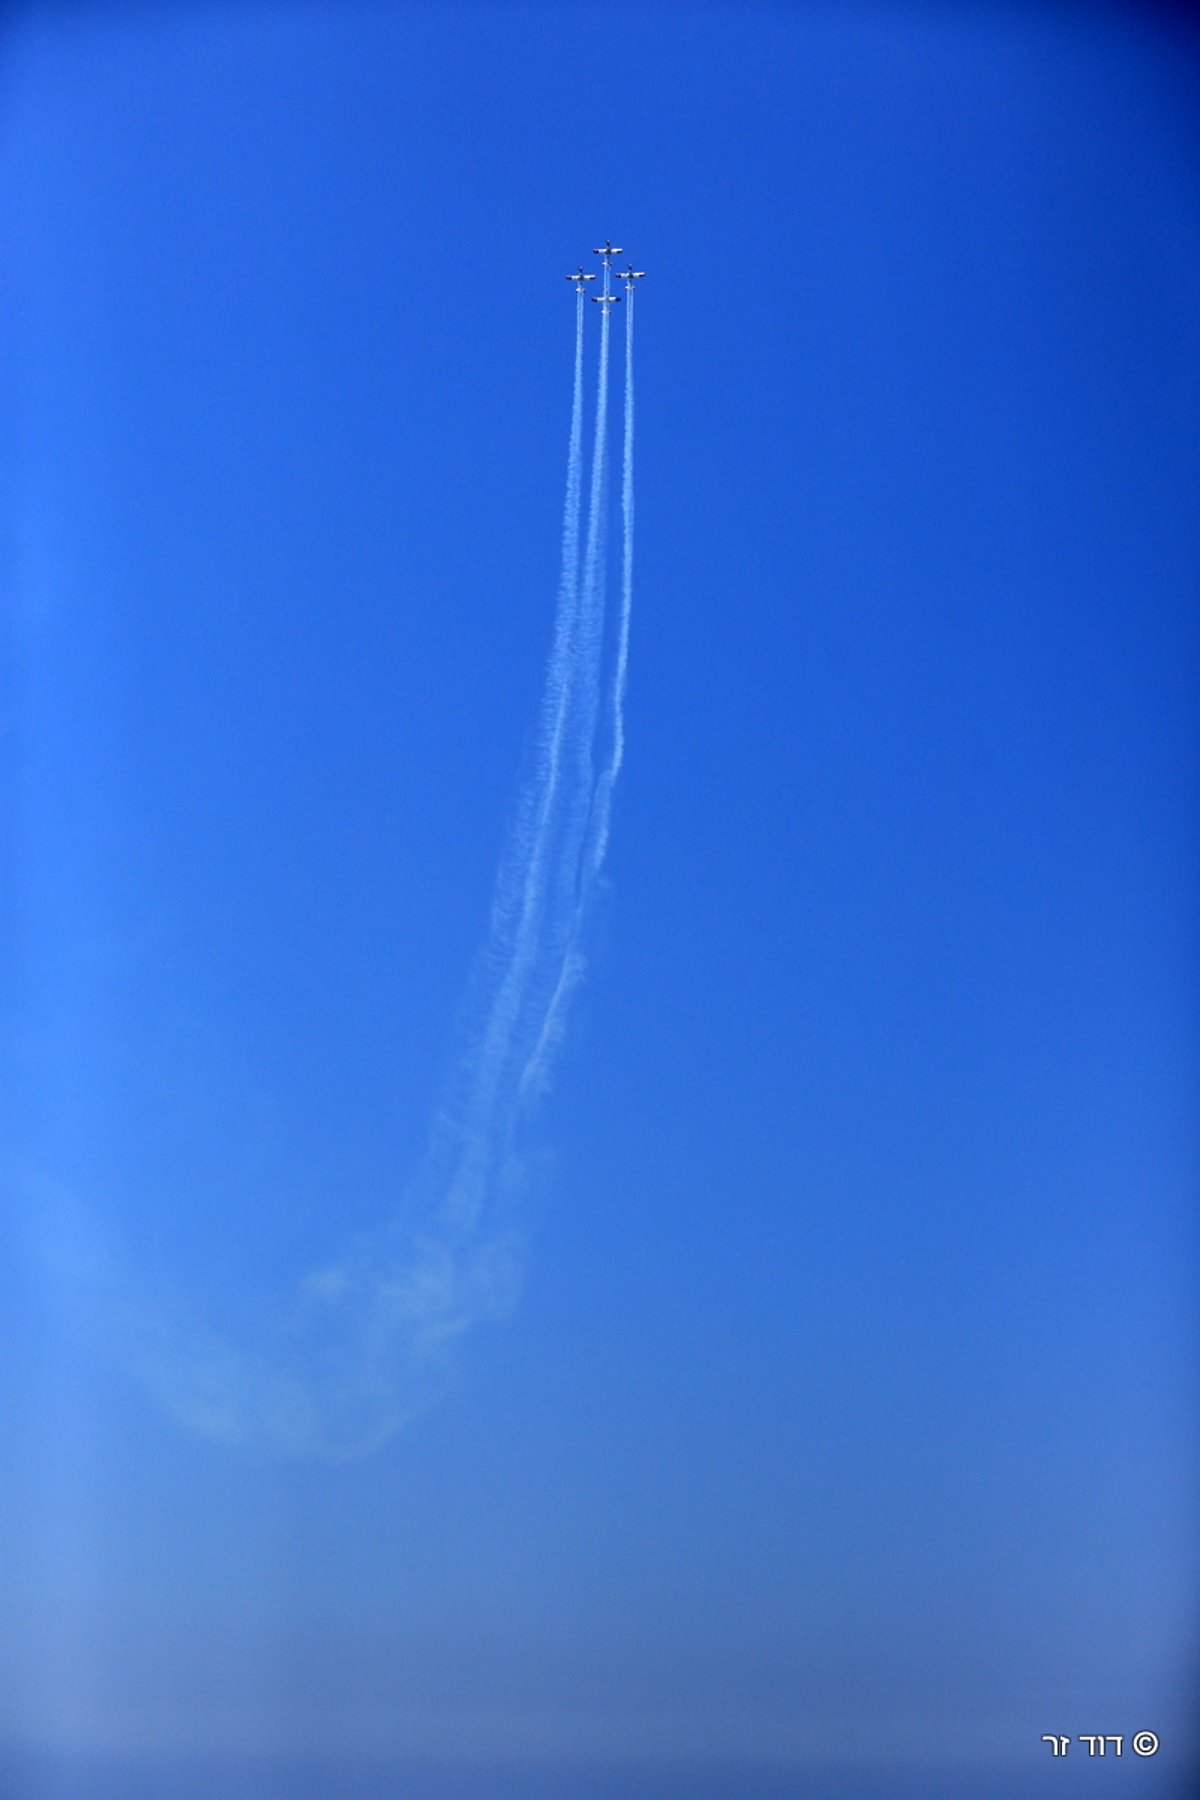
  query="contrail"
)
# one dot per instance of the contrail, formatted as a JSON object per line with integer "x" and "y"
{"x": 411, "y": 1294}
{"x": 527, "y": 872}
{"x": 591, "y": 624}
{"x": 608, "y": 777}
{"x": 600, "y": 814}
{"x": 592, "y": 611}
{"x": 365, "y": 1344}
{"x": 577, "y": 864}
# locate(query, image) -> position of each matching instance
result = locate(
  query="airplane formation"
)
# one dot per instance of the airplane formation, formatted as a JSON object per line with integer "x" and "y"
{"x": 606, "y": 251}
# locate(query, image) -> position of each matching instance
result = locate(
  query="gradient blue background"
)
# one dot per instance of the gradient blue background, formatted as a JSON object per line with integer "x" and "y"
{"x": 843, "y": 1441}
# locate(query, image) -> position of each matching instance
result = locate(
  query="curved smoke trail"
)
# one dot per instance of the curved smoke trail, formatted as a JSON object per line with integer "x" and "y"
{"x": 367, "y": 1343}
{"x": 523, "y": 886}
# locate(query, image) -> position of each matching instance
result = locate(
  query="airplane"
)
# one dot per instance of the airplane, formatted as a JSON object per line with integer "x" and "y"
{"x": 629, "y": 275}
{"x": 580, "y": 279}
{"x": 608, "y": 250}
{"x": 606, "y": 299}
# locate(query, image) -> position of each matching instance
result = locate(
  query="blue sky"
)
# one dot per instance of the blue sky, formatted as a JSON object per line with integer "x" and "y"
{"x": 842, "y": 1427}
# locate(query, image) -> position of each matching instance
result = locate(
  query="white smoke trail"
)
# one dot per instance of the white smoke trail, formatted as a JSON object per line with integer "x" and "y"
{"x": 575, "y": 863}
{"x": 456, "y": 1272}
{"x": 520, "y": 922}
{"x": 366, "y": 1343}
{"x": 600, "y": 818}
{"x": 608, "y": 777}
{"x": 592, "y": 606}
{"x": 560, "y": 677}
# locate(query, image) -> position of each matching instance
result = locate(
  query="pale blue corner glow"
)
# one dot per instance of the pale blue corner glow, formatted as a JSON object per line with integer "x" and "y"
{"x": 765, "y": 1366}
